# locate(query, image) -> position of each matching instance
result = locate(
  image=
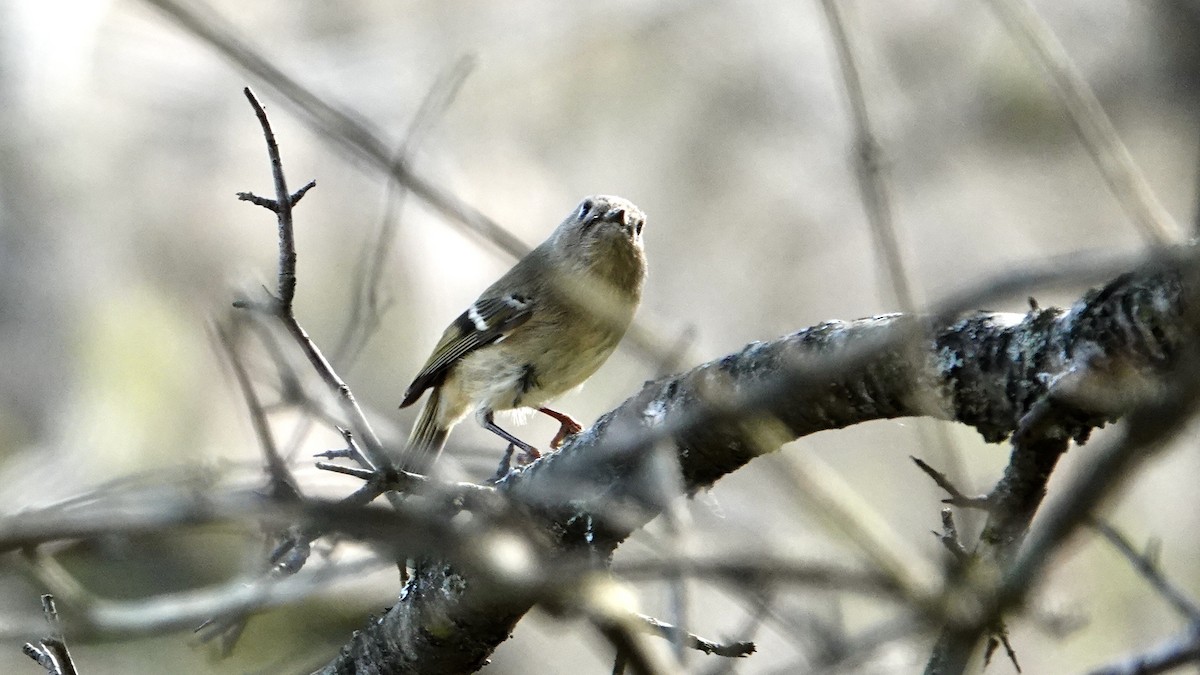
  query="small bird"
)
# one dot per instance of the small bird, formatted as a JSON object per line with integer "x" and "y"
{"x": 538, "y": 332}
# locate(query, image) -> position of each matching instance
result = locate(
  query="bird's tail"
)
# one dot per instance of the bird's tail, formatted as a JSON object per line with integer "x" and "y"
{"x": 427, "y": 438}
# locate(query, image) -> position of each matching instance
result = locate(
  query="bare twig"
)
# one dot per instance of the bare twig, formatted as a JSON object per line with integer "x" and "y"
{"x": 1013, "y": 503}
{"x": 950, "y": 540}
{"x": 364, "y": 474}
{"x": 956, "y": 497}
{"x": 282, "y": 206}
{"x": 600, "y": 600}
{"x": 1112, "y": 158}
{"x": 692, "y": 641}
{"x": 51, "y": 652}
{"x": 373, "y": 450}
{"x": 997, "y": 639}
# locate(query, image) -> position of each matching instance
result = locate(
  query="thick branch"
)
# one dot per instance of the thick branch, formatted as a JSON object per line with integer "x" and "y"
{"x": 988, "y": 371}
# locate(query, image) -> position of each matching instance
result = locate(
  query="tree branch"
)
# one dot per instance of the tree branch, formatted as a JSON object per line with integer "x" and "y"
{"x": 988, "y": 371}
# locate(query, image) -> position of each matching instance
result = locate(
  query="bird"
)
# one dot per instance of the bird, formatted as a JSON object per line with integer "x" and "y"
{"x": 539, "y": 331}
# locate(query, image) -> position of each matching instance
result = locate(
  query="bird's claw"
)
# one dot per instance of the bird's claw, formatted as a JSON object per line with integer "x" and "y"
{"x": 528, "y": 456}
{"x": 564, "y": 431}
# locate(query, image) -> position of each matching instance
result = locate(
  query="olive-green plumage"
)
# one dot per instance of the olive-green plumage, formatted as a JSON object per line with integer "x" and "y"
{"x": 539, "y": 331}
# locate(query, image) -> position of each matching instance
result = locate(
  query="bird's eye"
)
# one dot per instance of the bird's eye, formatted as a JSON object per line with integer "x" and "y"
{"x": 584, "y": 208}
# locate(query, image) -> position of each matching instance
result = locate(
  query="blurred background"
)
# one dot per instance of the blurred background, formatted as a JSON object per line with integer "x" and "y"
{"x": 123, "y": 141}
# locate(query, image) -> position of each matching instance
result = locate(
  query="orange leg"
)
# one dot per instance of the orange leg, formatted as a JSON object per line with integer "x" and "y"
{"x": 567, "y": 427}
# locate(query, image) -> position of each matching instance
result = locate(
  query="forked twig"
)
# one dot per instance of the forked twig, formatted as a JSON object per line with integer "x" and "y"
{"x": 281, "y": 205}
{"x": 51, "y": 652}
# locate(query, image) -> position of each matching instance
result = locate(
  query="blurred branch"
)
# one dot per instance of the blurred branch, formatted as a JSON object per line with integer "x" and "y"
{"x": 762, "y": 570}
{"x": 366, "y": 307}
{"x": 339, "y": 125}
{"x": 1155, "y": 417}
{"x": 869, "y": 163}
{"x": 281, "y": 482}
{"x": 1176, "y": 652}
{"x": 1146, "y": 564}
{"x": 166, "y": 612}
{"x": 1095, "y": 130}
{"x": 425, "y": 526}
{"x": 51, "y": 652}
{"x": 837, "y": 502}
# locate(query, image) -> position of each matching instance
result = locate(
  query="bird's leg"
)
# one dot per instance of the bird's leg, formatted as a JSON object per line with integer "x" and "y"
{"x": 528, "y": 452}
{"x": 567, "y": 427}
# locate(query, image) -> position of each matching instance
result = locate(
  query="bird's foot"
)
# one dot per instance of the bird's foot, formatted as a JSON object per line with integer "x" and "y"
{"x": 567, "y": 427}
{"x": 528, "y": 456}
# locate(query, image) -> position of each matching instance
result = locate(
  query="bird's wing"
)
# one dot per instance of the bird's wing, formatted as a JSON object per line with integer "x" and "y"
{"x": 486, "y": 322}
